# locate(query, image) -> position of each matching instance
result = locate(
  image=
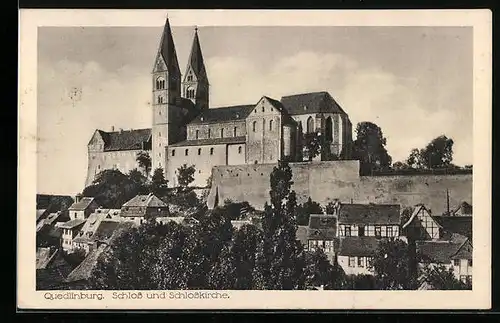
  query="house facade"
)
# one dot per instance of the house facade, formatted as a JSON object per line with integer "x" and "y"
{"x": 82, "y": 208}
{"x": 70, "y": 230}
{"x": 144, "y": 207}
{"x": 86, "y": 236}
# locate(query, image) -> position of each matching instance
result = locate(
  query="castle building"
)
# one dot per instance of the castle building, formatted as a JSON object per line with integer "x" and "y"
{"x": 186, "y": 130}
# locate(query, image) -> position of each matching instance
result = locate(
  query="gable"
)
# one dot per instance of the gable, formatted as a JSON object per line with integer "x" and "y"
{"x": 465, "y": 251}
{"x": 96, "y": 139}
{"x": 266, "y": 106}
{"x": 160, "y": 65}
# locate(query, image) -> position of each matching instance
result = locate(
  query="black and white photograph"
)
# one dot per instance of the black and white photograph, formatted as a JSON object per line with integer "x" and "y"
{"x": 200, "y": 157}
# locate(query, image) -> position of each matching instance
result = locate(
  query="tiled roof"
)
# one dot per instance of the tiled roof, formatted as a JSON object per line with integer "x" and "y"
{"x": 84, "y": 269}
{"x": 358, "y": 246}
{"x": 437, "y": 251}
{"x": 72, "y": 223}
{"x": 315, "y": 102}
{"x": 53, "y": 276}
{"x": 52, "y": 217}
{"x": 369, "y": 214}
{"x": 322, "y": 227}
{"x": 39, "y": 213}
{"x": 83, "y": 204}
{"x": 455, "y": 224}
{"x": 167, "y": 50}
{"x": 105, "y": 230}
{"x": 149, "y": 200}
{"x": 301, "y": 234}
{"x": 87, "y": 233}
{"x": 223, "y": 114}
{"x": 211, "y": 141}
{"x": 126, "y": 139}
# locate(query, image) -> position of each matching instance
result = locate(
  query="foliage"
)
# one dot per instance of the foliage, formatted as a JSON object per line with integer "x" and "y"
{"x": 280, "y": 257}
{"x": 144, "y": 161}
{"x": 437, "y": 154}
{"x": 369, "y": 148}
{"x": 392, "y": 265}
{"x": 304, "y": 211}
{"x": 74, "y": 258}
{"x": 441, "y": 278}
{"x": 185, "y": 175}
{"x": 158, "y": 182}
{"x": 312, "y": 145}
{"x": 318, "y": 271}
{"x": 112, "y": 189}
{"x": 330, "y": 208}
{"x": 360, "y": 282}
{"x": 232, "y": 210}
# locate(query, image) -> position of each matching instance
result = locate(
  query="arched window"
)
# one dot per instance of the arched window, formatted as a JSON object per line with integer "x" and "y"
{"x": 186, "y": 152}
{"x": 270, "y": 125}
{"x": 173, "y": 152}
{"x": 209, "y": 133}
{"x": 254, "y": 126}
{"x": 239, "y": 150}
{"x": 234, "y": 131}
{"x": 190, "y": 77}
{"x": 211, "y": 151}
{"x": 222, "y": 133}
{"x": 199, "y": 151}
{"x": 197, "y": 134}
{"x": 190, "y": 93}
{"x": 310, "y": 125}
{"x": 160, "y": 83}
{"x": 328, "y": 129}
{"x": 263, "y": 109}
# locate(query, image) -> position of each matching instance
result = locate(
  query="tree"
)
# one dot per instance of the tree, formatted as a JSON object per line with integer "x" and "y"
{"x": 360, "y": 282}
{"x": 144, "y": 161}
{"x": 414, "y": 159}
{"x": 399, "y": 166}
{"x": 158, "y": 182}
{"x": 331, "y": 207}
{"x": 441, "y": 278}
{"x": 112, "y": 189}
{"x": 369, "y": 148}
{"x": 312, "y": 145}
{"x": 438, "y": 153}
{"x": 74, "y": 258}
{"x": 304, "y": 211}
{"x": 185, "y": 175}
{"x": 280, "y": 257}
{"x": 318, "y": 271}
{"x": 139, "y": 179}
{"x": 392, "y": 265}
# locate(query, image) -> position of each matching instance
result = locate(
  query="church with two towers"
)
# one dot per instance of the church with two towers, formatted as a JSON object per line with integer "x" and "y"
{"x": 187, "y": 130}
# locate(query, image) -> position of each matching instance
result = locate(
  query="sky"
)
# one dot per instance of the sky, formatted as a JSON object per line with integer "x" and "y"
{"x": 414, "y": 82}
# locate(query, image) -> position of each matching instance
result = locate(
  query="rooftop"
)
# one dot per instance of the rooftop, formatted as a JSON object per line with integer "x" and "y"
{"x": 455, "y": 224}
{"x": 358, "y": 246}
{"x": 72, "y": 223}
{"x": 322, "y": 226}
{"x": 314, "y": 102}
{"x": 369, "y": 214}
{"x": 125, "y": 139}
{"x": 439, "y": 251}
{"x": 224, "y": 114}
{"x": 81, "y": 205}
{"x": 149, "y": 200}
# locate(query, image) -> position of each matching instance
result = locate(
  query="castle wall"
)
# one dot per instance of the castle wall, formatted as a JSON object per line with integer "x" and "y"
{"x": 124, "y": 161}
{"x": 235, "y": 154}
{"x": 203, "y": 162}
{"x": 215, "y": 130}
{"x": 325, "y": 181}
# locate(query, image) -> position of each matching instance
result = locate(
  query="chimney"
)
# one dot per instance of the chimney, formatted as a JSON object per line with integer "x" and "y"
{"x": 121, "y": 130}
{"x": 112, "y": 128}
{"x": 78, "y": 198}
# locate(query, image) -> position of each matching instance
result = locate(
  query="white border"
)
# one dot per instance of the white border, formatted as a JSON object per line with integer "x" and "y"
{"x": 480, "y": 20}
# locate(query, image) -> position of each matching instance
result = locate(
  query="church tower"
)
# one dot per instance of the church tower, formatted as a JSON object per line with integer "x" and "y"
{"x": 195, "y": 84}
{"x": 167, "y": 112}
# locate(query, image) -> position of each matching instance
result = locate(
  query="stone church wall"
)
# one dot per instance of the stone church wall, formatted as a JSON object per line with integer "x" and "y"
{"x": 124, "y": 161}
{"x": 324, "y": 181}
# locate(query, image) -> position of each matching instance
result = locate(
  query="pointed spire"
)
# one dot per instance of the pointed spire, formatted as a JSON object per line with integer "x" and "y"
{"x": 167, "y": 49}
{"x": 196, "y": 58}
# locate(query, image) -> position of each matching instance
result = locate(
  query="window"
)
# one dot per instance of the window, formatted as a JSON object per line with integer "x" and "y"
{"x": 378, "y": 232}
{"x": 190, "y": 77}
{"x": 239, "y": 150}
{"x": 254, "y": 126}
{"x": 263, "y": 109}
{"x": 159, "y": 134}
{"x": 310, "y": 125}
{"x": 361, "y": 262}
{"x": 352, "y": 262}
{"x": 160, "y": 83}
{"x": 456, "y": 262}
{"x": 469, "y": 262}
{"x": 234, "y": 131}
{"x": 211, "y": 151}
{"x": 199, "y": 151}
{"x": 186, "y": 152}
{"x": 347, "y": 231}
{"x": 222, "y": 133}
{"x": 389, "y": 231}
{"x": 98, "y": 166}
{"x": 173, "y": 152}
{"x": 209, "y": 133}
{"x": 270, "y": 125}
{"x": 197, "y": 134}
{"x": 361, "y": 231}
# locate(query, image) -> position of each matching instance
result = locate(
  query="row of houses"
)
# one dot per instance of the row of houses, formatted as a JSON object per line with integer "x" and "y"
{"x": 351, "y": 235}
